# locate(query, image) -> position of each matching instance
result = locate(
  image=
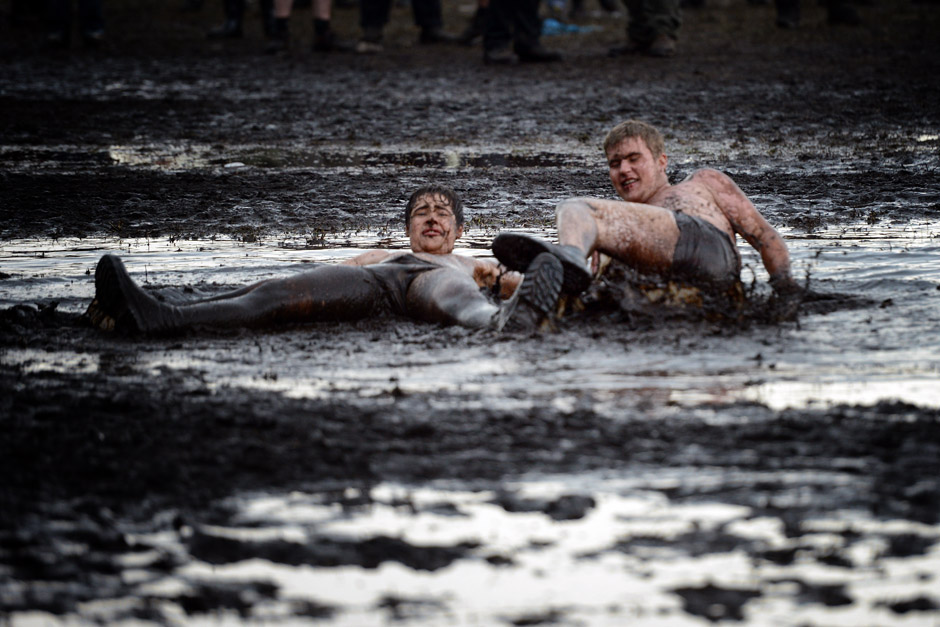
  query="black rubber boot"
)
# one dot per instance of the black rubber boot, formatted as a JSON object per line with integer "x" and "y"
{"x": 326, "y": 40}
{"x": 279, "y": 41}
{"x": 121, "y": 305}
{"x": 788, "y": 13}
{"x": 231, "y": 28}
{"x": 474, "y": 31}
{"x": 517, "y": 251}
{"x": 266, "y": 9}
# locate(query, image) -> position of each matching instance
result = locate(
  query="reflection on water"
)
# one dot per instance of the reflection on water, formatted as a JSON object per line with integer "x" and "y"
{"x": 889, "y": 351}
{"x": 618, "y": 559}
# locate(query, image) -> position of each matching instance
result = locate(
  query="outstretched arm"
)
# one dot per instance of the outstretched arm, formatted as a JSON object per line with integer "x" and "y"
{"x": 751, "y": 225}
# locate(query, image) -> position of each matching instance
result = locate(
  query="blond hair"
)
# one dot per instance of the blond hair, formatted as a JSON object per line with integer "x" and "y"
{"x": 635, "y": 128}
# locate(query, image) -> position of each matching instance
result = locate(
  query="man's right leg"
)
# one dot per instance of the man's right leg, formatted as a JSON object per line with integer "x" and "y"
{"x": 326, "y": 292}
{"x": 642, "y": 236}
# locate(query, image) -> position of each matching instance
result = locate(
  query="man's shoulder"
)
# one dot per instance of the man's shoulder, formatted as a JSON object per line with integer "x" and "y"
{"x": 702, "y": 182}
{"x": 717, "y": 183}
{"x": 708, "y": 176}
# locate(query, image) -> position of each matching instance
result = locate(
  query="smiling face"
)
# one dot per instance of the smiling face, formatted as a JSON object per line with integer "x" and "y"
{"x": 432, "y": 226}
{"x": 635, "y": 173}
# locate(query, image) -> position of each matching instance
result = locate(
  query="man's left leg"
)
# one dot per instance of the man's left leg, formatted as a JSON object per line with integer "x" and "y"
{"x": 451, "y": 297}
{"x": 373, "y": 16}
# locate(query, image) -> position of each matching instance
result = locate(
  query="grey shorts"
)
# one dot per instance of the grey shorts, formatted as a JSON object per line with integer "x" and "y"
{"x": 704, "y": 252}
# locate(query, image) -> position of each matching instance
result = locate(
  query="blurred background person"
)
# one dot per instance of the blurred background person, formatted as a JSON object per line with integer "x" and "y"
{"x": 231, "y": 27}
{"x": 511, "y": 34}
{"x": 652, "y": 28}
{"x": 374, "y": 15}
{"x": 324, "y": 38}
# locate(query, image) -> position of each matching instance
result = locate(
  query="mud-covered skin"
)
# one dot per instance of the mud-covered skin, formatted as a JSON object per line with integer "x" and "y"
{"x": 818, "y": 126}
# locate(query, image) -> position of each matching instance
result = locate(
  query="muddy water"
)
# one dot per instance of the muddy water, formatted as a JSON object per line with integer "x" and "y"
{"x": 884, "y": 352}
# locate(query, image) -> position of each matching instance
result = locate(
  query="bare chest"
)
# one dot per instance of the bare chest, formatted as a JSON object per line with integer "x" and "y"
{"x": 457, "y": 262}
{"x": 693, "y": 200}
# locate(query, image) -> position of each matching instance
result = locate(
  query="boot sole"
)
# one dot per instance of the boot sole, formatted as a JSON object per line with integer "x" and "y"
{"x": 536, "y": 298}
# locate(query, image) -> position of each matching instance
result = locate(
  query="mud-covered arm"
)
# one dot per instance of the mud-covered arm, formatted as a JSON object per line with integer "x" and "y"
{"x": 751, "y": 225}
{"x": 368, "y": 258}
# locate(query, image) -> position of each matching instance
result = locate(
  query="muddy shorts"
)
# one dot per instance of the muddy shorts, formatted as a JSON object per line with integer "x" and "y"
{"x": 704, "y": 252}
{"x": 395, "y": 275}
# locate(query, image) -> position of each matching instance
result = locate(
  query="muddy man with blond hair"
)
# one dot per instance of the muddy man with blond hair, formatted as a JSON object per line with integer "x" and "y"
{"x": 684, "y": 231}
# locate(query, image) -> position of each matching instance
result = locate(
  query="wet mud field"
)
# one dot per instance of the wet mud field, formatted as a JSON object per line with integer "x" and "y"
{"x": 639, "y": 466}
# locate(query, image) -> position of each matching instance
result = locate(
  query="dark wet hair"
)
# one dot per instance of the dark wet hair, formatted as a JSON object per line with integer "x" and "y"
{"x": 434, "y": 189}
{"x": 636, "y": 128}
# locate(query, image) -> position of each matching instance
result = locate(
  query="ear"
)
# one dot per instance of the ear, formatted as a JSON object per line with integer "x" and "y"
{"x": 408, "y": 227}
{"x": 663, "y": 160}
{"x": 459, "y": 231}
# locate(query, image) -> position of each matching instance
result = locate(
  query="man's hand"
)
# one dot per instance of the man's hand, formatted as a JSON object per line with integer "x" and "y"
{"x": 486, "y": 274}
{"x": 788, "y": 295}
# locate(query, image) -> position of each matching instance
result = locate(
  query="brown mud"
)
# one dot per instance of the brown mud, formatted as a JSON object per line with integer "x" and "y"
{"x": 127, "y": 463}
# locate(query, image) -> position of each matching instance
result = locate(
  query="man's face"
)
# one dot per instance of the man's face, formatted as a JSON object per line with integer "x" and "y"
{"x": 634, "y": 171}
{"x": 432, "y": 226}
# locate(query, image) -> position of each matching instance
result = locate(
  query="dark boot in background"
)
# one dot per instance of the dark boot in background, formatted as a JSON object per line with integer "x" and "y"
{"x": 473, "y": 34}
{"x": 231, "y": 28}
{"x": 326, "y": 40}
{"x": 841, "y": 13}
{"x": 266, "y": 10}
{"x": 279, "y": 41}
{"x": 788, "y": 13}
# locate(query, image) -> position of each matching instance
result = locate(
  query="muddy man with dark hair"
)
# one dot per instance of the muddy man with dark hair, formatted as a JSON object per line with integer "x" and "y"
{"x": 431, "y": 283}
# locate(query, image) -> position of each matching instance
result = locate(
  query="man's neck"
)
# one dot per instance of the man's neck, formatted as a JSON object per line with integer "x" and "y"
{"x": 656, "y": 192}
